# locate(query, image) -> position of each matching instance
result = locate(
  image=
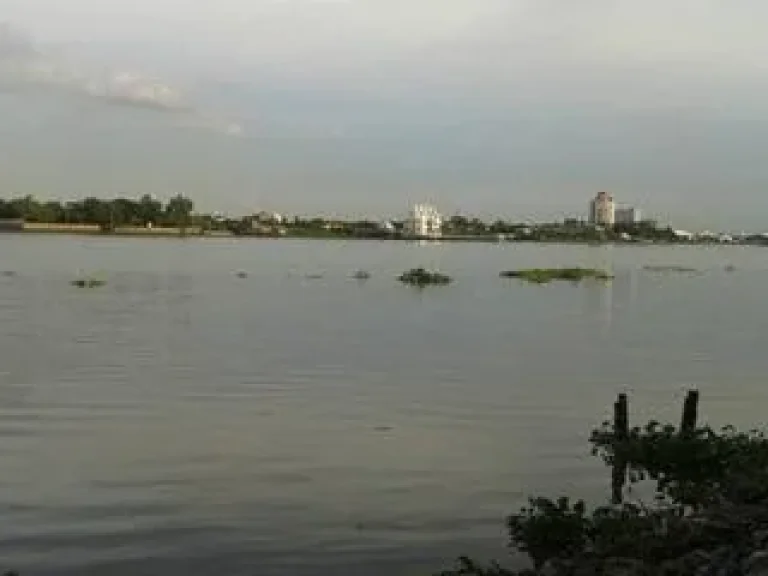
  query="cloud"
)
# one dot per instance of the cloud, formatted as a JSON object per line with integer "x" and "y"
{"x": 14, "y": 43}
{"x": 24, "y": 64}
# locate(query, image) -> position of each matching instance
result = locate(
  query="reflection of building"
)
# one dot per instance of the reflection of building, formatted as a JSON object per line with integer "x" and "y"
{"x": 627, "y": 216}
{"x": 602, "y": 210}
{"x": 424, "y": 221}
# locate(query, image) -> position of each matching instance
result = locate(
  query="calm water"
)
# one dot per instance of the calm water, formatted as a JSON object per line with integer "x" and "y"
{"x": 181, "y": 420}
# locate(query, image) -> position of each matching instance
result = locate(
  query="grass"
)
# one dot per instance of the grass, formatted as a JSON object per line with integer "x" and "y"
{"x": 547, "y": 275}
{"x": 421, "y": 277}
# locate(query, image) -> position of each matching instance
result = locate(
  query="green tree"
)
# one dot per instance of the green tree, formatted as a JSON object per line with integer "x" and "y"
{"x": 95, "y": 211}
{"x": 178, "y": 210}
{"x": 124, "y": 212}
{"x": 52, "y": 212}
{"x": 9, "y": 210}
{"x": 149, "y": 210}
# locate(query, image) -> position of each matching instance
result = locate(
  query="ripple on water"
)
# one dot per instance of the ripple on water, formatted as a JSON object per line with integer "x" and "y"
{"x": 182, "y": 421}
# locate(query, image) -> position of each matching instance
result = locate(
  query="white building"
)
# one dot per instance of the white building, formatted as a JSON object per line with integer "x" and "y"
{"x": 683, "y": 234}
{"x": 627, "y": 215}
{"x": 424, "y": 221}
{"x": 602, "y": 210}
{"x": 265, "y": 217}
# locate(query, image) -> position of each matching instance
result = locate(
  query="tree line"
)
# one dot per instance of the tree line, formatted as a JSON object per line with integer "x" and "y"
{"x": 147, "y": 210}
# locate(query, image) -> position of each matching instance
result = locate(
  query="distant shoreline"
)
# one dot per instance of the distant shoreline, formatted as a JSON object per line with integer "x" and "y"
{"x": 176, "y": 234}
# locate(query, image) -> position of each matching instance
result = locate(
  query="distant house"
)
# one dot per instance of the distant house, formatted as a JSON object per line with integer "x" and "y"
{"x": 628, "y": 215}
{"x": 11, "y": 224}
{"x": 257, "y": 228}
{"x": 424, "y": 222}
{"x": 602, "y": 210}
{"x": 388, "y": 227}
{"x": 683, "y": 234}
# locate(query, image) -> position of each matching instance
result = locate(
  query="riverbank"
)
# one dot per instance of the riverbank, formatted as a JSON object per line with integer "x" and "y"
{"x": 198, "y": 232}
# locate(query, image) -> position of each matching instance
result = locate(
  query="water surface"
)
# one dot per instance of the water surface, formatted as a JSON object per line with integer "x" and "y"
{"x": 184, "y": 420}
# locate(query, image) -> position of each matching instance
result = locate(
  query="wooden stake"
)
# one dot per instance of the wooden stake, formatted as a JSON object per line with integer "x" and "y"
{"x": 621, "y": 433}
{"x": 690, "y": 413}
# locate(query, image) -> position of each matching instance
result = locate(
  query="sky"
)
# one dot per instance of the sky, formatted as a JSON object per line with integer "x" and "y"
{"x": 512, "y": 108}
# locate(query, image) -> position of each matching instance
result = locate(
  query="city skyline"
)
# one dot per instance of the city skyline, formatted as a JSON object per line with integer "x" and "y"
{"x": 355, "y": 108}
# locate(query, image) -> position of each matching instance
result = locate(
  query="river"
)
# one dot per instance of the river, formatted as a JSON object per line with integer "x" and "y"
{"x": 183, "y": 420}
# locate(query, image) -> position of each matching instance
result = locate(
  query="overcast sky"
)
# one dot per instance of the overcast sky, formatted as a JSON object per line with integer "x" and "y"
{"x": 522, "y": 108}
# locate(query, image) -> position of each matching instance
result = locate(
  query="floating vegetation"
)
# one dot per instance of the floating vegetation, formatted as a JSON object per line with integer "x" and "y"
{"x": 547, "y": 275}
{"x": 241, "y": 274}
{"x": 361, "y": 275}
{"x": 88, "y": 282}
{"x": 422, "y": 277}
{"x": 668, "y": 268}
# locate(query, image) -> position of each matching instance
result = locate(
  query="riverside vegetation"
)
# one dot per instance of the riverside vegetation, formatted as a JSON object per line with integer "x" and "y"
{"x": 709, "y": 515}
{"x": 178, "y": 216}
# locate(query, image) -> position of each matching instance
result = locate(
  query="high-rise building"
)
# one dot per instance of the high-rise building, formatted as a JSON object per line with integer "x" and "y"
{"x": 424, "y": 222}
{"x": 602, "y": 210}
{"x": 628, "y": 215}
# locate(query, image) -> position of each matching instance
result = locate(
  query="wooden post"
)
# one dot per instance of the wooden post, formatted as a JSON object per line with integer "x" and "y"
{"x": 690, "y": 413}
{"x": 621, "y": 433}
{"x": 621, "y": 417}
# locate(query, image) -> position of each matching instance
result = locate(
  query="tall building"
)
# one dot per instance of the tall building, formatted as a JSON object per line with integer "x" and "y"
{"x": 602, "y": 210}
{"x": 424, "y": 221}
{"x": 628, "y": 215}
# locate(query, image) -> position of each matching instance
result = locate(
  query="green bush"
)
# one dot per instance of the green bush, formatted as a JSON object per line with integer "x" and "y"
{"x": 697, "y": 471}
{"x": 421, "y": 277}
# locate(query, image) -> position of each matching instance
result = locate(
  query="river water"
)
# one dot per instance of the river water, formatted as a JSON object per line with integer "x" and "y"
{"x": 182, "y": 420}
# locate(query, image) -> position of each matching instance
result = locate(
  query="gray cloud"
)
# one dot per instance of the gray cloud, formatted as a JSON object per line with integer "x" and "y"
{"x": 510, "y": 106}
{"x": 24, "y": 64}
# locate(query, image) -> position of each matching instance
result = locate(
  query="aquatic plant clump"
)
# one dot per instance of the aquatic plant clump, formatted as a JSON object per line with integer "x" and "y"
{"x": 88, "y": 282}
{"x": 423, "y": 277}
{"x": 668, "y": 268}
{"x": 547, "y": 275}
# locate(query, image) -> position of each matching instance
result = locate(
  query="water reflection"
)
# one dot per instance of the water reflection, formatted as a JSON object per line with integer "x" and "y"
{"x": 607, "y": 300}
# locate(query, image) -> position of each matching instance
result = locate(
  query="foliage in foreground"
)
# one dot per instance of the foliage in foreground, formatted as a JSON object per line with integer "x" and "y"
{"x": 547, "y": 275}
{"x": 696, "y": 473}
